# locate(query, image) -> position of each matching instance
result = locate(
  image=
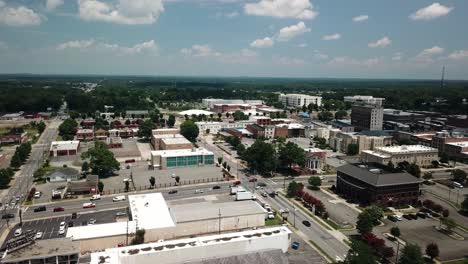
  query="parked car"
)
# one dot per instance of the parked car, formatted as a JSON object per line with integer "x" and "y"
{"x": 118, "y": 198}
{"x": 89, "y": 205}
{"x": 216, "y": 187}
{"x": 198, "y": 191}
{"x": 38, "y": 235}
{"x": 457, "y": 184}
{"x": 62, "y": 231}
{"x": 91, "y": 221}
{"x": 414, "y": 216}
{"x": 422, "y": 215}
{"x": 40, "y": 209}
{"x": 407, "y": 216}
{"x": 120, "y": 214}
{"x": 262, "y": 184}
{"x": 18, "y": 232}
{"x": 306, "y": 223}
{"x": 8, "y": 216}
{"x": 172, "y": 191}
{"x": 37, "y": 195}
{"x": 392, "y": 218}
{"x": 264, "y": 194}
{"x": 70, "y": 224}
{"x": 59, "y": 209}
{"x": 252, "y": 179}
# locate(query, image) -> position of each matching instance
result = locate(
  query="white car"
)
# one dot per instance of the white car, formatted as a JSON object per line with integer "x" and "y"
{"x": 120, "y": 214}
{"x": 198, "y": 191}
{"x": 95, "y": 197}
{"x": 38, "y": 235}
{"x": 62, "y": 231}
{"x": 271, "y": 215}
{"x": 91, "y": 221}
{"x": 62, "y": 224}
{"x": 118, "y": 198}
{"x": 18, "y": 232}
{"x": 37, "y": 195}
{"x": 398, "y": 217}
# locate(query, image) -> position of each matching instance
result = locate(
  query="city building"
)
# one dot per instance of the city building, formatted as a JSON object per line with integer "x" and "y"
{"x": 417, "y": 154}
{"x": 174, "y": 142}
{"x": 64, "y": 148}
{"x": 364, "y": 100}
{"x": 289, "y": 130}
{"x": 239, "y": 132}
{"x": 157, "y": 134}
{"x": 84, "y": 134}
{"x": 166, "y": 159}
{"x": 136, "y": 114}
{"x": 210, "y": 102}
{"x": 13, "y": 138}
{"x": 88, "y": 123}
{"x": 343, "y": 124}
{"x": 458, "y": 121}
{"x": 316, "y": 159}
{"x": 341, "y": 140}
{"x": 88, "y": 186}
{"x": 402, "y": 116}
{"x": 457, "y": 150}
{"x": 223, "y": 108}
{"x": 201, "y": 249}
{"x": 257, "y": 131}
{"x": 365, "y": 117}
{"x": 169, "y": 220}
{"x": 440, "y": 139}
{"x": 372, "y": 184}
{"x": 114, "y": 142}
{"x": 299, "y": 100}
{"x": 215, "y": 127}
{"x": 269, "y": 131}
{"x": 100, "y": 134}
{"x": 261, "y": 120}
{"x": 195, "y": 112}
{"x": 12, "y": 116}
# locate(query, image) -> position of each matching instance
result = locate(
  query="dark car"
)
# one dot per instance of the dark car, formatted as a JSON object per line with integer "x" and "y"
{"x": 172, "y": 191}
{"x": 422, "y": 215}
{"x": 252, "y": 179}
{"x": 392, "y": 218}
{"x": 414, "y": 216}
{"x": 70, "y": 224}
{"x": 306, "y": 223}
{"x": 261, "y": 184}
{"x": 59, "y": 209}
{"x": 217, "y": 187}
{"x": 40, "y": 209}
{"x": 407, "y": 216}
{"x": 8, "y": 216}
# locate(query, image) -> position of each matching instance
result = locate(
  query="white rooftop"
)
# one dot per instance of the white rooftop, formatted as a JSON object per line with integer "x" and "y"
{"x": 181, "y": 152}
{"x": 100, "y": 230}
{"x": 175, "y": 140}
{"x": 195, "y": 112}
{"x": 291, "y": 126}
{"x": 313, "y": 150}
{"x": 64, "y": 145}
{"x": 84, "y": 130}
{"x": 150, "y": 211}
{"x": 406, "y": 149}
{"x": 459, "y": 144}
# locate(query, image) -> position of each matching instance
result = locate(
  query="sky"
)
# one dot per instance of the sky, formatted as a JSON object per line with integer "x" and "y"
{"x": 250, "y": 38}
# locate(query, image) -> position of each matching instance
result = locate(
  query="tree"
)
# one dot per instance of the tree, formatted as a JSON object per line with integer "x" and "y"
{"x": 387, "y": 253}
{"x": 189, "y": 130}
{"x": 177, "y": 179}
{"x": 376, "y": 214}
{"x": 239, "y": 115}
{"x": 432, "y": 250}
{"x": 224, "y": 164}
{"x": 261, "y": 157}
{"x": 127, "y": 185}
{"x": 360, "y": 253}
{"x": 464, "y": 205}
{"x": 341, "y": 114}
{"x": 290, "y": 154}
{"x": 414, "y": 170}
{"x": 228, "y": 168}
{"x": 325, "y": 116}
{"x": 220, "y": 160}
{"x": 100, "y": 186}
{"x": 139, "y": 237}
{"x": 435, "y": 163}
{"x": 85, "y": 167}
{"x": 364, "y": 224}
{"x": 294, "y": 187}
{"x": 411, "y": 254}
{"x": 207, "y": 131}
{"x": 171, "y": 121}
{"x": 102, "y": 161}
{"x": 67, "y": 129}
{"x": 240, "y": 149}
{"x": 459, "y": 176}
{"x": 41, "y": 127}
{"x": 315, "y": 182}
{"x": 152, "y": 181}
{"x": 449, "y": 223}
{"x": 15, "y": 161}
{"x": 127, "y": 122}
{"x": 145, "y": 129}
{"x": 395, "y": 231}
{"x": 353, "y": 149}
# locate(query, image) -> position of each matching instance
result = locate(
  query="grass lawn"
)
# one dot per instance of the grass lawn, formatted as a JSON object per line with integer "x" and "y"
{"x": 273, "y": 222}
{"x": 460, "y": 261}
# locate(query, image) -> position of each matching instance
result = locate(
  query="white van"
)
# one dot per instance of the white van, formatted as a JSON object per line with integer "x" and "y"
{"x": 457, "y": 184}
{"x": 95, "y": 197}
{"x": 118, "y": 198}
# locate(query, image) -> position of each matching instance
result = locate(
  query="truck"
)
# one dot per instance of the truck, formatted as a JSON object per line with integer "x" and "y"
{"x": 242, "y": 196}
{"x": 236, "y": 189}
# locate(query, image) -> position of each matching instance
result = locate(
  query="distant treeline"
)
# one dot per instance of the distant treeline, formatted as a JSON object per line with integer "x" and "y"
{"x": 34, "y": 93}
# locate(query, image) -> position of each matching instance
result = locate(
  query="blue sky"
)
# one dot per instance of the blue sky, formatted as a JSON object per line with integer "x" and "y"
{"x": 270, "y": 38}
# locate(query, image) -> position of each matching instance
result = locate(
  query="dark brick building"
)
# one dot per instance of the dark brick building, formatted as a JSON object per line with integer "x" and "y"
{"x": 372, "y": 184}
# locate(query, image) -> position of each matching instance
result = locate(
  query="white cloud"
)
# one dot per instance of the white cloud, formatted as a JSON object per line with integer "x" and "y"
{"x": 200, "y": 51}
{"x": 397, "y": 56}
{"x": 319, "y": 55}
{"x": 92, "y": 45}
{"x": 430, "y": 52}
{"x": 360, "y": 18}
{"x": 288, "y": 61}
{"x": 459, "y": 55}
{"x": 53, "y": 4}
{"x": 302, "y": 45}
{"x": 348, "y": 61}
{"x": 381, "y": 43}
{"x": 335, "y": 36}
{"x": 130, "y": 12}
{"x": 231, "y": 14}
{"x": 19, "y": 16}
{"x": 262, "y": 43}
{"x": 431, "y": 12}
{"x": 244, "y": 56}
{"x": 300, "y": 9}
{"x": 290, "y": 32}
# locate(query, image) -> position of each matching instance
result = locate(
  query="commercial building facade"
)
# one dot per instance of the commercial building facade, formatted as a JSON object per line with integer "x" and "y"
{"x": 299, "y": 100}
{"x": 371, "y": 184}
{"x": 316, "y": 159}
{"x": 167, "y": 159}
{"x": 364, "y": 99}
{"x": 417, "y": 154}
{"x": 365, "y": 117}
{"x": 64, "y": 148}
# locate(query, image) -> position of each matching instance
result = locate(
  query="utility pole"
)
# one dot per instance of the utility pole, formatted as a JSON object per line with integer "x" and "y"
{"x": 397, "y": 251}
{"x": 294, "y": 211}
{"x": 219, "y": 220}
{"x": 126, "y": 240}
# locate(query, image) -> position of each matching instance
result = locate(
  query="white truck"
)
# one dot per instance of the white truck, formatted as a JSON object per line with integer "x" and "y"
{"x": 236, "y": 189}
{"x": 242, "y": 196}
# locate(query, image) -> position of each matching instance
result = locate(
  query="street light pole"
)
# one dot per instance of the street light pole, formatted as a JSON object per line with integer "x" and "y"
{"x": 294, "y": 211}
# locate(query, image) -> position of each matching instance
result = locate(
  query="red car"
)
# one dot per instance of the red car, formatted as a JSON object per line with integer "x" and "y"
{"x": 89, "y": 205}
{"x": 236, "y": 183}
{"x": 253, "y": 180}
{"x": 59, "y": 209}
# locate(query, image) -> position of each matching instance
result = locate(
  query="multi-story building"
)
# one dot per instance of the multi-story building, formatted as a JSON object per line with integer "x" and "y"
{"x": 210, "y": 102}
{"x": 84, "y": 134}
{"x": 269, "y": 131}
{"x": 440, "y": 139}
{"x": 157, "y": 134}
{"x": 364, "y": 100}
{"x": 257, "y": 130}
{"x": 216, "y": 127}
{"x": 167, "y": 159}
{"x": 171, "y": 143}
{"x": 299, "y": 100}
{"x": 289, "y": 130}
{"x": 457, "y": 150}
{"x": 417, "y": 154}
{"x": 365, "y": 117}
{"x": 316, "y": 159}
{"x": 222, "y": 108}
{"x": 402, "y": 116}
{"x": 371, "y": 184}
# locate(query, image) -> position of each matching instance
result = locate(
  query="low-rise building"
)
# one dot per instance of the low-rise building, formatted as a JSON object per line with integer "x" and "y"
{"x": 166, "y": 159}
{"x": 257, "y": 131}
{"x": 13, "y": 139}
{"x": 88, "y": 186}
{"x": 457, "y": 150}
{"x": 171, "y": 143}
{"x": 364, "y": 99}
{"x": 88, "y": 123}
{"x": 136, "y": 114}
{"x": 215, "y": 127}
{"x": 417, "y": 154}
{"x": 299, "y": 100}
{"x": 440, "y": 139}
{"x": 12, "y": 116}
{"x": 290, "y": 130}
{"x": 370, "y": 183}
{"x": 316, "y": 159}
{"x": 100, "y": 134}
{"x": 114, "y": 142}
{"x": 402, "y": 116}
{"x": 64, "y": 148}
{"x": 84, "y": 134}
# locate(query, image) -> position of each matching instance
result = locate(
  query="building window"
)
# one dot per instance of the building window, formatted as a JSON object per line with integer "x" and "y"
{"x": 171, "y": 162}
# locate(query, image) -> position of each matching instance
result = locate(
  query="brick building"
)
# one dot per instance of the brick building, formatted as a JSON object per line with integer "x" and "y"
{"x": 64, "y": 148}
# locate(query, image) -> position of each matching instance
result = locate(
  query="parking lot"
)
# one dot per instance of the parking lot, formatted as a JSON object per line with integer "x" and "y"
{"x": 339, "y": 212}
{"x": 50, "y": 227}
{"x": 422, "y": 232}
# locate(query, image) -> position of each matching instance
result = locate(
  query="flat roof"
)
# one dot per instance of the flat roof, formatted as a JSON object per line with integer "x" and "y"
{"x": 44, "y": 249}
{"x": 406, "y": 149}
{"x": 459, "y": 144}
{"x": 195, "y": 112}
{"x": 175, "y": 140}
{"x": 160, "y": 136}
{"x": 208, "y": 210}
{"x": 150, "y": 211}
{"x": 377, "y": 179}
{"x": 84, "y": 131}
{"x": 181, "y": 152}
{"x": 64, "y": 145}
{"x": 101, "y": 230}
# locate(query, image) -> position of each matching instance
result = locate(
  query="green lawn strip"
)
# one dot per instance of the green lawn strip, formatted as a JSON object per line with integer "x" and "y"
{"x": 273, "y": 222}
{"x": 304, "y": 210}
{"x": 458, "y": 261}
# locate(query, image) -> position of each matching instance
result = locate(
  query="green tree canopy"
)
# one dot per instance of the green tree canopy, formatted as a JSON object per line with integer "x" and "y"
{"x": 144, "y": 130}
{"x": 395, "y": 231}
{"x": 376, "y": 213}
{"x": 67, "y": 129}
{"x": 432, "y": 250}
{"x": 290, "y": 153}
{"x": 189, "y": 130}
{"x": 459, "y": 176}
{"x": 353, "y": 149}
{"x": 411, "y": 254}
{"x": 360, "y": 253}
{"x": 171, "y": 121}
{"x": 341, "y": 114}
{"x": 294, "y": 187}
{"x": 239, "y": 115}
{"x": 364, "y": 224}
{"x": 325, "y": 116}
{"x": 314, "y": 181}
{"x": 102, "y": 161}
{"x": 261, "y": 157}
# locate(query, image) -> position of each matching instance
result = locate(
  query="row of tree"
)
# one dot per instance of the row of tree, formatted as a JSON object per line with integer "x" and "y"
{"x": 5, "y": 177}
{"x": 21, "y": 155}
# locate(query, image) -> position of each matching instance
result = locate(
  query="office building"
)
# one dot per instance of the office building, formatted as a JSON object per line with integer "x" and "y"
{"x": 64, "y": 148}
{"x": 364, "y": 100}
{"x": 402, "y": 116}
{"x": 177, "y": 158}
{"x": 373, "y": 184}
{"x": 210, "y": 102}
{"x": 417, "y": 154}
{"x": 365, "y": 117}
{"x": 316, "y": 159}
{"x": 299, "y": 100}
{"x": 457, "y": 150}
